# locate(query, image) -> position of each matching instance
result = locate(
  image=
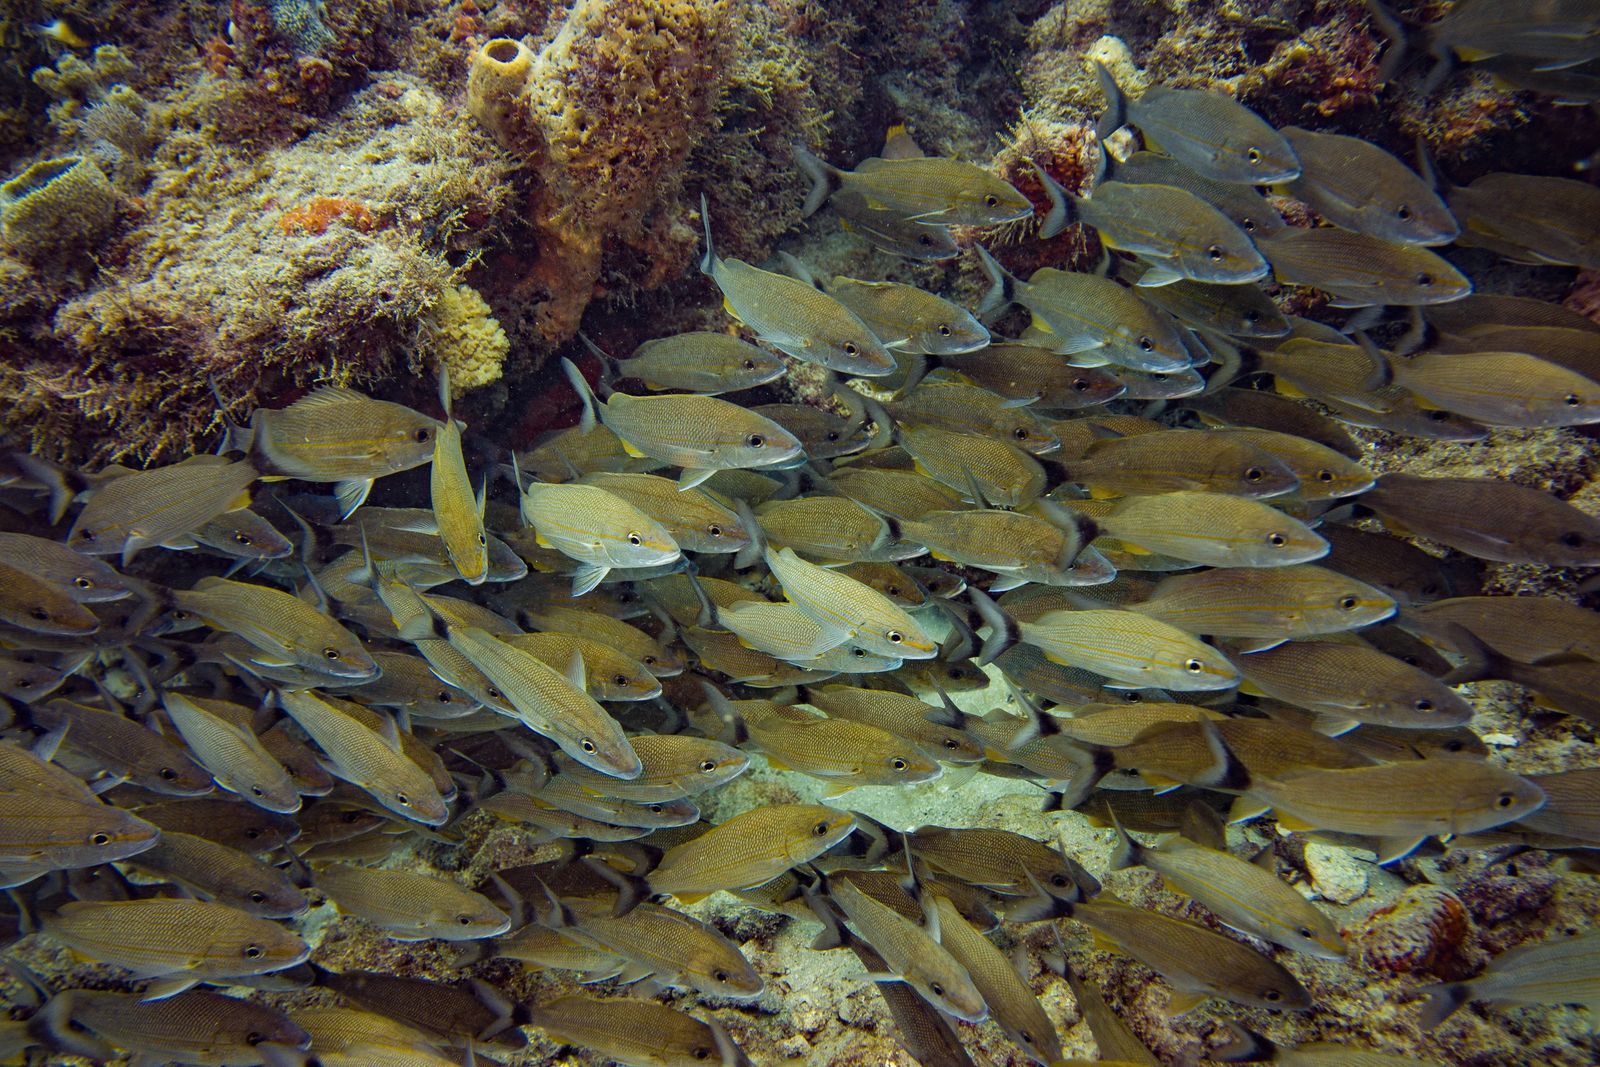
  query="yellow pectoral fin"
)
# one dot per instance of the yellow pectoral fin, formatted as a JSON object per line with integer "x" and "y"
{"x": 628, "y": 447}
{"x": 1286, "y": 389}
{"x": 1294, "y": 825}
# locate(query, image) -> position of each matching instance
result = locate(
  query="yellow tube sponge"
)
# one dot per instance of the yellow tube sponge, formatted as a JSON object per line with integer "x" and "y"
{"x": 56, "y": 205}
{"x": 467, "y": 340}
{"x": 495, "y": 86}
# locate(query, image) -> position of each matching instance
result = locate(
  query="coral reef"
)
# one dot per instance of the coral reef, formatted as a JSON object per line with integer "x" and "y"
{"x": 465, "y": 339}
{"x": 1426, "y": 930}
{"x": 57, "y": 206}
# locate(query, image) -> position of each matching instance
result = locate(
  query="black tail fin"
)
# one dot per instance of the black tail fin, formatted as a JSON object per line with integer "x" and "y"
{"x": 1060, "y": 215}
{"x": 1003, "y": 628}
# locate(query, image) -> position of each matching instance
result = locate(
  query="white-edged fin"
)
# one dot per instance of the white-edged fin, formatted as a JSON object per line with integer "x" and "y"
{"x": 586, "y": 577}
{"x": 693, "y": 476}
{"x": 162, "y": 988}
{"x": 1158, "y": 275}
{"x": 1393, "y": 849}
{"x": 575, "y": 672}
{"x": 351, "y": 495}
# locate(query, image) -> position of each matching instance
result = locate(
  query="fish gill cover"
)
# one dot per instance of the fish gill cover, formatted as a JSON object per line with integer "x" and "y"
{"x": 681, "y": 531}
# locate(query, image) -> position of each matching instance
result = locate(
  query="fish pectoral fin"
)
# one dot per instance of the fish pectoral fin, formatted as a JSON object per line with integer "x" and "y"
{"x": 1158, "y": 276}
{"x": 693, "y": 476}
{"x": 1391, "y": 849}
{"x": 1185, "y": 1000}
{"x": 1075, "y": 345}
{"x": 351, "y": 495}
{"x": 162, "y": 988}
{"x": 1246, "y": 808}
{"x": 1294, "y": 825}
{"x": 838, "y": 790}
{"x": 688, "y": 899}
{"x": 586, "y": 577}
{"x": 1101, "y": 943}
{"x": 629, "y": 448}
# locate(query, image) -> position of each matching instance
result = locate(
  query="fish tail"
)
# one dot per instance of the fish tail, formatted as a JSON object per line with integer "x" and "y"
{"x": 61, "y": 484}
{"x": 586, "y": 394}
{"x": 1116, "y": 113}
{"x": 1003, "y": 628}
{"x": 1002, "y": 285}
{"x": 792, "y": 264}
{"x": 631, "y": 889}
{"x": 1443, "y": 1001}
{"x": 824, "y": 179}
{"x": 1060, "y": 215}
{"x": 1390, "y": 27}
{"x": 1244, "y": 1046}
{"x": 708, "y": 260}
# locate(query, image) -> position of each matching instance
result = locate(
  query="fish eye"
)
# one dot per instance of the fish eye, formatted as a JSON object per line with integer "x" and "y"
{"x": 100, "y": 838}
{"x": 1324, "y": 475}
{"x": 991, "y": 200}
{"x": 1027, "y": 1038}
{"x": 42, "y": 614}
{"x": 257, "y": 897}
{"x": 1247, "y": 224}
{"x": 1080, "y": 385}
{"x": 707, "y": 766}
{"x": 86, "y": 535}
{"x": 1254, "y": 474}
{"x": 892, "y": 590}
{"x": 1348, "y": 603}
{"x": 167, "y": 774}
{"x": 714, "y": 530}
{"x": 442, "y": 697}
{"x": 1571, "y": 540}
{"x": 635, "y": 539}
{"x": 82, "y": 582}
{"x": 1423, "y": 705}
{"x": 1020, "y": 433}
{"x": 257, "y": 791}
{"x": 482, "y": 541}
{"x": 858, "y": 652}
{"x": 749, "y": 364}
{"x": 821, "y": 829}
{"x": 495, "y": 694}
{"x": 944, "y": 331}
{"x": 464, "y": 920}
{"x": 720, "y": 975}
{"x": 755, "y": 440}
{"x": 954, "y": 672}
{"x": 1252, "y": 316}
{"x": 1276, "y": 540}
{"x": 1058, "y": 880}
{"x": 1571, "y": 400}
{"x": 700, "y": 1052}
{"x": 1193, "y": 666}
{"x": 331, "y": 653}
{"x": 254, "y": 952}
{"x": 240, "y": 537}
{"x": 895, "y": 637}
{"x": 1303, "y": 932}
{"x": 620, "y": 679}
{"x": 951, "y": 743}
{"x": 1504, "y": 800}
{"x": 253, "y": 1038}
{"x": 1146, "y": 345}
{"x": 648, "y": 661}
{"x": 1403, "y": 213}
{"x": 588, "y": 746}
{"x": 850, "y": 348}
{"x": 1452, "y": 746}
{"x": 833, "y": 435}
{"x": 1424, "y": 279}
{"x": 656, "y": 809}
{"x": 924, "y": 240}
{"x": 403, "y": 799}
{"x": 1254, "y": 155}
{"x": 1272, "y": 996}
{"x": 898, "y": 764}
{"x": 421, "y": 436}
{"x": 1215, "y": 252}
{"x": 937, "y": 988}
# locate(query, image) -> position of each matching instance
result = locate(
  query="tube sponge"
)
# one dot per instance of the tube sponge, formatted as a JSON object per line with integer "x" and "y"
{"x": 467, "y": 340}
{"x": 56, "y": 205}
{"x": 495, "y": 85}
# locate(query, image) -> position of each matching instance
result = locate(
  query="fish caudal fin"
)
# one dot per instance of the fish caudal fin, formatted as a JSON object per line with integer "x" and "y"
{"x": 824, "y": 179}
{"x": 1002, "y": 285}
{"x": 1443, "y": 1001}
{"x": 586, "y": 394}
{"x": 708, "y": 260}
{"x": 1003, "y": 628}
{"x": 1059, "y": 217}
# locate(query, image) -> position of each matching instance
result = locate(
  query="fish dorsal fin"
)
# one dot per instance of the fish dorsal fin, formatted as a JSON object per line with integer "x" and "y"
{"x": 899, "y": 144}
{"x": 327, "y": 396}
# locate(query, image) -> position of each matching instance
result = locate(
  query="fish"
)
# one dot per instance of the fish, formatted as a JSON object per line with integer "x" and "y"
{"x": 450, "y": 1014}
{"x": 656, "y": 655}
{"x": 1168, "y": 461}
{"x": 822, "y": 434}
{"x": 26, "y": 681}
{"x": 1266, "y": 410}
{"x": 225, "y": 875}
{"x": 178, "y": 942}
{"x": 794, "y": 316}
{"x": 674, "y": 948}
{"x": 283, "y": 629}
{"x": 1501, "y": 388}
{"x": 1086, "y": 315}
{"x": 1563, "y": 969}
{"x": 135, "y": 510}
{"x": 1245, "y": 206}
{"x": 638, "y": 1033}
{"x": 1178, "y": 234}
{"x": 692, "y": 518}
{"x": 1324, "y": 473}
{"x": 911, "y": 951}
{"x": 926, "y": 189}
{"x": 1198, "y": 963}
{"x": 701, "y": 361}
{"x": 1050, "y": 548}
{"x": 1332, "y": 372}
{"x": 85, "y": 579}
{"x": 196, "y": 1026}
{"x": 1530, "y": 218}
{"x": 882, "y": 227}
{"x": 1499, "y": 310}
{"x": 937, "y": 731}
{"x": 1245, "y": 896}
{"x": 843, "y": 752}
{"x": 1356, "y": 185}
{"x": 675, "y": 766}
{"x": 548, "y": 701}
{"x": 608, "y": 674}
{"x": 410, "y": 905}
{"x": 751, "y": 848}
{"x": 118, "y": 746}
{"x": 1490, "y": 518}
{"x": 1019, "y": 372}
{"x": 833, "y": 529}
{"x": 963, "y": 408}
{"x": 1578, "y": 350}
{"x": 372, "y": 760}
{"x": 836, "y": 601}
{"x": 218, "y": 735}
{"x": 1210, "y": 133}
{"x": 1005, "y": 475}
{"x": 1407, "y": 573}
{"x": 903, "y": 317}
{"x": 1273, "y": 604}
{"x": 43, "y": 830}
{"x": 340, "y": 435}
{"x": 1128, "y": 648}
{"x": 1357, "y": 270}
{"x": 1010, "y": 1001}
{"x": 1112, "y": 1037}
{"x": 1529, "y": 629}
{"x": 597, "y": 528}
{"x": 701, "y": 434}
{"x": 1237, "y": 310}
{"x": 1400, "y": 803}
{"x": 38, "y": 606}
{"x": 352, "y": 1037}
{"x": 900, "y": 494}
{"x": 457, "y": 511}
{"x": 1211, "y": 528}
{"x": 1353, "y": 682}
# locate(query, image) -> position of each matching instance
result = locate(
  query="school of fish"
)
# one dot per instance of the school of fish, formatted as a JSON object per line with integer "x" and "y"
{"x": 238, "y": 693}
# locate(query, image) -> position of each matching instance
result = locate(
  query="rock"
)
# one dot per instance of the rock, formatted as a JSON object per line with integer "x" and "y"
{"x": 1336, "y": 874}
